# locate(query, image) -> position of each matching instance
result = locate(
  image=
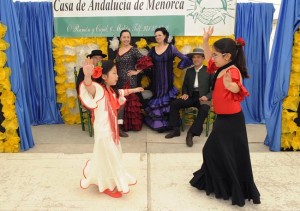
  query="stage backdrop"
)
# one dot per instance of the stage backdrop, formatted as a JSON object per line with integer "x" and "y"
{"x": 106, "y": 18}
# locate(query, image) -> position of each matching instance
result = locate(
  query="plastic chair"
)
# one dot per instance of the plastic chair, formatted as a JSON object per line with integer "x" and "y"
{"x": 189, "y": 114}
{"x": 85, "y": 114}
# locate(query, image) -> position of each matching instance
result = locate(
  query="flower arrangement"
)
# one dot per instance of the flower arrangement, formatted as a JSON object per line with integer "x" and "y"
{"x": 9, "y": 140}
{"x": 290, "y": 132}
{"x": 69, "y": 53}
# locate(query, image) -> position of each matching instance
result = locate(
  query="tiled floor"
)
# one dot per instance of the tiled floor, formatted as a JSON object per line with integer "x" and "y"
{"x": 47, "y": 176}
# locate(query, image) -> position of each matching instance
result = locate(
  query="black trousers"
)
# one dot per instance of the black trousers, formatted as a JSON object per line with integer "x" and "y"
{"x": 176, "y": 105}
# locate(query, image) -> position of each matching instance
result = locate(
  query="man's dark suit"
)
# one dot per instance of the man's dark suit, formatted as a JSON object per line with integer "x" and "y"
{"x": 204, "y": 84}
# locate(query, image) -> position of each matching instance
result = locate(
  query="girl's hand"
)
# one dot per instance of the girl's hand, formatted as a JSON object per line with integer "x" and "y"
{"x": 88, "y": 67}
{"x": 227, "y": 79}
{"x": 207, "y": 34}
{"x": 138, "y": 89}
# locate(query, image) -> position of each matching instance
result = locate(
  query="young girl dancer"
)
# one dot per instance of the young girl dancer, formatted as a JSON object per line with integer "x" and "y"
{"x": 226, "y": 170}
{"x": 105, "y": 168}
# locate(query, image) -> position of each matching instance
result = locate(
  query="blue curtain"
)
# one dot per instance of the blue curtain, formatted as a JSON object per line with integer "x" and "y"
{"x": 36, "y": 34}
{"x": 279, "y": 69}
{"x": 15, "y": 60}
{"x": 254, "y": 25}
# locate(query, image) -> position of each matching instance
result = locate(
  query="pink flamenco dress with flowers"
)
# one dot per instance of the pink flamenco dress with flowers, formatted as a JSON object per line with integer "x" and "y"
{"x": 105, "y": 169}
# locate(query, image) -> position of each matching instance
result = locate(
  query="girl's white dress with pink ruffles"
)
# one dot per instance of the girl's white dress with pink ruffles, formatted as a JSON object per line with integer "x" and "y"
{"x": 105, "y": 169}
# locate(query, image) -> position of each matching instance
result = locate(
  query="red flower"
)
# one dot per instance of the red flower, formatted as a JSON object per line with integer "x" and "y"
{"x": 240, "y": 41}
{"x": 97, "y": 72}
{"x": 144, "y": 62}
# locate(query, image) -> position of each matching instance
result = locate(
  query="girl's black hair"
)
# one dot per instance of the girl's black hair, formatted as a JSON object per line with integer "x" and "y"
{"x": 107, "y": 66}
{"x": 164, "y": 31}
{"x": 228, "y": 45}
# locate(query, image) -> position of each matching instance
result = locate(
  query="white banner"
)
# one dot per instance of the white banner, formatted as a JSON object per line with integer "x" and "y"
{"x": 80, "y": 18}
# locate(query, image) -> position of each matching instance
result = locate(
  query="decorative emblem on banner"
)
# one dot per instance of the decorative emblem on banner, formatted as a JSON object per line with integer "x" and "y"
{"x": 209, "y": 13}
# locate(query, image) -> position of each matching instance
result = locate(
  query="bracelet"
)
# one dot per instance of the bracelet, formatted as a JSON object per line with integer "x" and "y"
{"x": 88, "y": 84}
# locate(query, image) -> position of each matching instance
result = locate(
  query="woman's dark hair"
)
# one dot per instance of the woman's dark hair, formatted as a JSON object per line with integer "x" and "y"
{"x": 107, "y": 66}
{"x": 125, "y": 30}
{"x": 164, "y": 31}
{"x": 228, "y": 45}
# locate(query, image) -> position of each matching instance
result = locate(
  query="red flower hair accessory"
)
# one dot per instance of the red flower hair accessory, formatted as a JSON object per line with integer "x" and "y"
{"x": 97, "y": 72}
{"x": 239, "y": 41}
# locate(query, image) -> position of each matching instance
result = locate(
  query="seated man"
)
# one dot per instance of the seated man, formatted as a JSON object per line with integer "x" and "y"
{"x": 96, "y": 56}
{"x": 196, "y": 92}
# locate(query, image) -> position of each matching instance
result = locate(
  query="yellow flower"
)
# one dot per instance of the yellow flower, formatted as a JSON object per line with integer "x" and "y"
{"x": 3, "y": 45}
{"x": 295, "y": 78}
{"x": 3, "y": 29}
{"x": 291, "y": 102}
{"x": 8, "y": 97}
{"x": 9, "y": 112}
{"x": 2, "y": 74}
{"x": 285, "y": 140}
{"x": 70, "y": 58}
{"x": 1, "y": 146}
{"x": 152, "y": 45}
{"x": 60, "y": 79}
{"x": 3, "y": 59}
{"x": 10, "y": 124}
{"x": 72, "y": 102}
{"x": 142, "y": 43}
{"x": 145, "y": 81}
{"x": 2, "y": 136}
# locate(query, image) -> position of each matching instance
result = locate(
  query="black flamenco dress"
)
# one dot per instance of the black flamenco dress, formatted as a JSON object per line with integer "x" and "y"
{"x": 226, "y": 170}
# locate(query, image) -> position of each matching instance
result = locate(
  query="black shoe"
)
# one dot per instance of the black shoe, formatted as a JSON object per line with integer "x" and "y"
{"x": 189, "y": 139}
{"x": 123, "y": 134}
{"x": 173, "y": 133}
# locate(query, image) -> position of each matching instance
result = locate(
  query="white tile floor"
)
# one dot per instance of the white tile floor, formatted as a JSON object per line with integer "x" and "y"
{"x": 47, "y": 176}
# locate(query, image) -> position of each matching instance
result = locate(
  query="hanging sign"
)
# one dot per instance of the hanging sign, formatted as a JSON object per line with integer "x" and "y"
{"x": 106, "y": 18}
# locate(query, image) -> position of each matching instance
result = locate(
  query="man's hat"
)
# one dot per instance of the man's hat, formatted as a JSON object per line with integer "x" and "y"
{"x": 96, "y": 53}
{"x": 196, "y": 51}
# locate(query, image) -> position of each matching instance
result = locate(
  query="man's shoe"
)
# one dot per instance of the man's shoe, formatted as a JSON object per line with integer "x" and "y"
{"x": 123, "y": 134}
{"x": 173, "y": 134}
{"x": 189, "y": 139}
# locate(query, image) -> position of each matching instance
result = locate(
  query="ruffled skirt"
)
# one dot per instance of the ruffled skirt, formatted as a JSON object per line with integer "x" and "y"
{"x": 226, "y": 170}
{"x": 133, "y": 118}
{"x": 157, "y": 112}
{"x": 105, "y": 169}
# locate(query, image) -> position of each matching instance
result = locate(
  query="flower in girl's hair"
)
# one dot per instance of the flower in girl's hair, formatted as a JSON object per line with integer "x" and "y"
{"x": 97, "y": 72}
{"x": 240, "y": 41}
